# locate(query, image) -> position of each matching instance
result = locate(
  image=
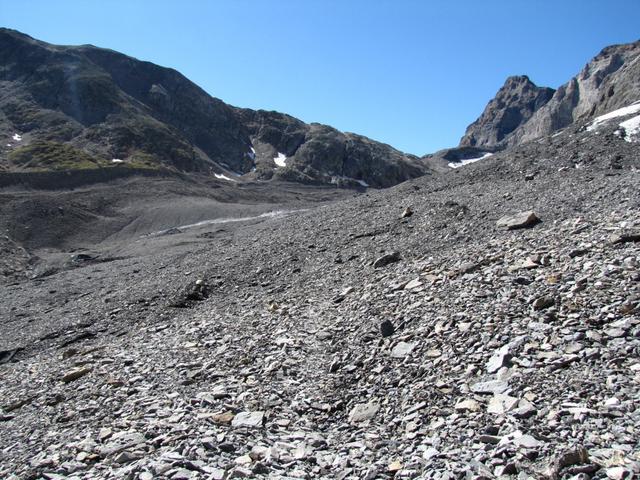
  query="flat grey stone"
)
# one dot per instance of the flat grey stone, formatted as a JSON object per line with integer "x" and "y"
{"x": 518, "y": 220}
{"x": 363, "y": 412}
{"x": 490, "y": 386}
{"x": 468, "y": 405}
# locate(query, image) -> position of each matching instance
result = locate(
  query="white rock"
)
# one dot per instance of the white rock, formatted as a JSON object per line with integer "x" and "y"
{"x": 618, "y": 473}
{"x": 501, "y": 404}
{"x": 248, "y": 419}
{"x": 469, "y": 404}
{"x": 402, "y": 349}
{"x": 413, "y": 284}
{"x": 499, "y": 359}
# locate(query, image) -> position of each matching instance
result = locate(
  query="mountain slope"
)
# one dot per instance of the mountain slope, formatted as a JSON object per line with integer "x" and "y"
{"x": 94, "y": 107}
{"x": 280, "y": 349}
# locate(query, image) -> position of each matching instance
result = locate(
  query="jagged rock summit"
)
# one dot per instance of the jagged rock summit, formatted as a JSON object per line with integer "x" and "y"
{"x": 522, "y": 112}
{"x": 514, "y": 104}
{"x": 87, "y": 108}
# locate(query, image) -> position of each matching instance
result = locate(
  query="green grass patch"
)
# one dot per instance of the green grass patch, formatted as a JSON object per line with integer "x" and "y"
{"x": 44, "y": 156}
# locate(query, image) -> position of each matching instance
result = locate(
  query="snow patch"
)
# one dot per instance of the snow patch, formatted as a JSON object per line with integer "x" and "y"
{"x": 336, "y": 178}
{"x": 252, "y": 154}
{"x": 117, "y": 160}
{"x": 631, "y": 129}
{"x": 281, "y": 160}
{"x": 467, "y": 161}
{"x": 621, "y": 112}
{"x": 220, "y": 176}
{"x": 217, "y": 221}
{"x": 17, "y": 137}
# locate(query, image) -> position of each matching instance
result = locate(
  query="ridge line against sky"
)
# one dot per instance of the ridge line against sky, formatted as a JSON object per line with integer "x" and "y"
{"x": 409, "y": 73}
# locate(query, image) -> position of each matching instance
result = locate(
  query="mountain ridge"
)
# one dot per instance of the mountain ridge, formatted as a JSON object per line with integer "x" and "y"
{"x": 114, "y": 107}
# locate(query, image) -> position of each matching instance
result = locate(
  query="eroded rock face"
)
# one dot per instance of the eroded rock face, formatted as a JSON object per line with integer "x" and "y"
{"x": 514, "y": 104}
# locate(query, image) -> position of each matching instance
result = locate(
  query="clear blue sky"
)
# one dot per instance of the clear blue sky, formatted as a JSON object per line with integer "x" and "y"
{"x": 411, "y": 73}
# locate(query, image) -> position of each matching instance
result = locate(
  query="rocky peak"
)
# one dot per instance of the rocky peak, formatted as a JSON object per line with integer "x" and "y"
{"x": 522, "y": 112}
{"x": 608, "y": 82}
{"x": 513, "y": 105}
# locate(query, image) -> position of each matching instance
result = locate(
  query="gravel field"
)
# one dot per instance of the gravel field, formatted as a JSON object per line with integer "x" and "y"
{"x": 413, "y": 332}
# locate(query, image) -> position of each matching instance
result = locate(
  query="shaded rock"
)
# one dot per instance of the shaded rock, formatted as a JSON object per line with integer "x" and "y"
{"x": 491, "y": 439}
{"x": 499, "y": 359}
{"x": 573, "y": 456}
{"x": 227, "y": 447}
{"x": 126, "y": 457}
{"x": 525, "y": 409}
{"x": 386, "y": 328}
{"x": 7, "y": 355}
{"x": 543, "y": 302}
{"x": 624, "y": 237}
{"x": 386, "y": 259}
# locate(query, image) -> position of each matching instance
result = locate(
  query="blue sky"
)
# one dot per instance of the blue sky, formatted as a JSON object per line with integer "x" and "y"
{"x": 411, "y": 73}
